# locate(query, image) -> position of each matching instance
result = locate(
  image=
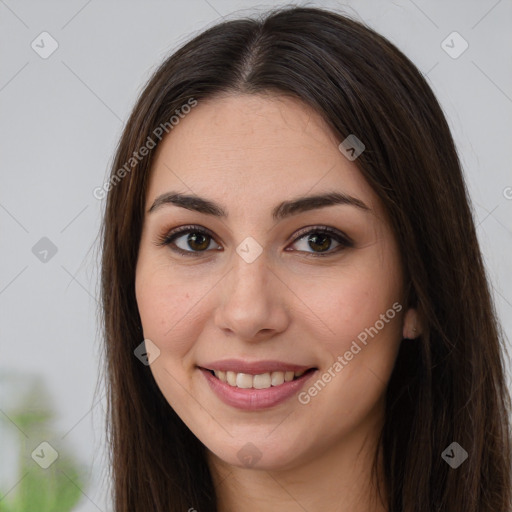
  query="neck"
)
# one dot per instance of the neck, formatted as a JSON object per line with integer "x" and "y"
{"x": 337, "y": 479}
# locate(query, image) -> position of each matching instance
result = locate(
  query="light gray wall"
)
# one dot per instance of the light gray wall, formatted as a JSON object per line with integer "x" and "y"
{"x": 61, "y": 117}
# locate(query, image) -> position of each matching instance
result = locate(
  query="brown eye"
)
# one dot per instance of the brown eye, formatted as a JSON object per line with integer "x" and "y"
{"x": 192, "y": 241}
{"x": 187, "y": 240}
{"x": 320, "y": 240}
{"x": 198, "y": 241}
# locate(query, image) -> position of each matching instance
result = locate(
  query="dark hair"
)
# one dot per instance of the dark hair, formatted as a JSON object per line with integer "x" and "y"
{"x": 448, "y": 385}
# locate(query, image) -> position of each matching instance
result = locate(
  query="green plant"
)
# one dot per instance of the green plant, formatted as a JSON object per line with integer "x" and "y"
{"x": 55, "y": 489}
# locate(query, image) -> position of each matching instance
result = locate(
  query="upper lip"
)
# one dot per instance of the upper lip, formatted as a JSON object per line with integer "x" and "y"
{"x": 254, "y": 367}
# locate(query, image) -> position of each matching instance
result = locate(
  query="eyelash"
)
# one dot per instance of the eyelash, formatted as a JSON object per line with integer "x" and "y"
{"x": 338, "y": 236}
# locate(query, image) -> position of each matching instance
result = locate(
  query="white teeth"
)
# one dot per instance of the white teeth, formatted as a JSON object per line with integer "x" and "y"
{"x": 260, "y": 381}
{"x": 243, "y": 380}
{"x": 277, "y": 378}
{"x": 230, "y": 378}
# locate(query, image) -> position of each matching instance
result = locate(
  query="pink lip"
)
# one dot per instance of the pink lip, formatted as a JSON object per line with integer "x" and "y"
{"x": 253, "y": 368}
{"x": 254, "y": 399}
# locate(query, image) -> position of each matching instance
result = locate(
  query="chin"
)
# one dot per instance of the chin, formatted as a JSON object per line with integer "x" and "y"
{"x": 253, "y": 452}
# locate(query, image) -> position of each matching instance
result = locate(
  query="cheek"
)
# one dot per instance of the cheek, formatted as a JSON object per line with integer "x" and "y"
{"x": 360, "y": 334}
{"x": 167, "y": 306}
{"x": 345, "y": 304}
{"x": 363, "y": 312}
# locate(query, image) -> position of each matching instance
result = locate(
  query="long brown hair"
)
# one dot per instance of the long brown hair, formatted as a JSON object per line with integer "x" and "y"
{"x": 447, "y": 386}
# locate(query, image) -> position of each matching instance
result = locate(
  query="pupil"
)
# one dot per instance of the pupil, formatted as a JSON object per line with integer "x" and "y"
{"x": 313, "y": 239}
{"x": 193, "y": 238}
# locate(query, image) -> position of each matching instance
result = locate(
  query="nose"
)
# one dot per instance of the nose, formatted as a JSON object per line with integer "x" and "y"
{"x": 252, "y": 303}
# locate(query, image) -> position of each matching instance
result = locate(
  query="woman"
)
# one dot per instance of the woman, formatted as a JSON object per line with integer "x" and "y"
{"x": 296, "y": 311}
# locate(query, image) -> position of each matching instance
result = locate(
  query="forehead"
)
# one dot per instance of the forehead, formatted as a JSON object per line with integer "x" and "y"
{"x": 254, "y": 144}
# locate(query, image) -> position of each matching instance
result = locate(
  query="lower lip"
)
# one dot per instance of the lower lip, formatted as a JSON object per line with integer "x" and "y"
{"x": 255, "y": 399}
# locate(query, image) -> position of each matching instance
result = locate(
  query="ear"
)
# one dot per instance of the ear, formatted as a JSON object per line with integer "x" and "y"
{"x": 411, "y": 324}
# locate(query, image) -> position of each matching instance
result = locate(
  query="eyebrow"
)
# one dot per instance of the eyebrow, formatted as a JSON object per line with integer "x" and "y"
{"x": 281, "y": 211}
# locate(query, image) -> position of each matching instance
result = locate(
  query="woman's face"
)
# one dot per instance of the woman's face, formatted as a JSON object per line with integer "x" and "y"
{"x": 253, "y": 288}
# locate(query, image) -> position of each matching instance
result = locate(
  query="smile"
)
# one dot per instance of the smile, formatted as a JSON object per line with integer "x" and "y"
{"x": 260, "y": 381}
{"x": 254, "y": 388}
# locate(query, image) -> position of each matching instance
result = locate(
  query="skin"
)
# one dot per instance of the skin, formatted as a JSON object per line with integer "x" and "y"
{"x": 249, "y": 153}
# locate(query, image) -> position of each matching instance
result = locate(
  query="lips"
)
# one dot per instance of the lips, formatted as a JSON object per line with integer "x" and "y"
{"x": 255, "y": 385}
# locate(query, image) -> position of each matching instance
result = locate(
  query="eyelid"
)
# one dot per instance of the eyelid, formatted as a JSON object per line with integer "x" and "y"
{"x": 168, "y": 238}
